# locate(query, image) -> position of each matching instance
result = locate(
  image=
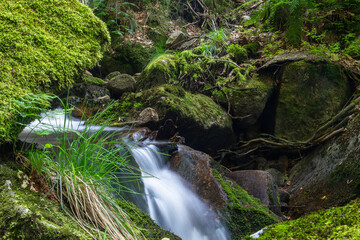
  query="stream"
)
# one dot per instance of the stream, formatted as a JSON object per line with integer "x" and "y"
{"x": 169, "y": 198}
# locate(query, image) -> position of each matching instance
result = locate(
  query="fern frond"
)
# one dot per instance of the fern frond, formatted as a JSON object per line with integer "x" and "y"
{"x": 294, "y": 30}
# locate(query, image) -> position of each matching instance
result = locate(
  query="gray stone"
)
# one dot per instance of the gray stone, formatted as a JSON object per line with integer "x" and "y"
{"x": 176, "y": 39}
{"x": 121, "y": 84}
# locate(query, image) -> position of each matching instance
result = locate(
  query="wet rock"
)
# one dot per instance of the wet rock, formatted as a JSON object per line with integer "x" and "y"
{"x": 120, "y": 84}
{"x": 260, "y": 185}
{"x": 194, "y": 167}
{"x": 148, "y": 117}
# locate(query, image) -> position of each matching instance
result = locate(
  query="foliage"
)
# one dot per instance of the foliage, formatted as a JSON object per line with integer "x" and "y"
{"x": 43, "y": 44}
{"x": 334, "y": 223}
{"x": 283, "y": 15}
{"x": 238, "y": 53}
{"x": 84, "y": 168}
{"x": 116, "y": 15}
{"x": 214, "y": 44}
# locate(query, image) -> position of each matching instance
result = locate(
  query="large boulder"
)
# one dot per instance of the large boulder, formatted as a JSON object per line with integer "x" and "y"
{"x": 260, "y": 185}
{"x": 194, "y": 167}
{"x": 44, "y": 45}
{"x": 195, "y": 115}
{"x": 329, "y": 175}
{"x": 310, "y": 94}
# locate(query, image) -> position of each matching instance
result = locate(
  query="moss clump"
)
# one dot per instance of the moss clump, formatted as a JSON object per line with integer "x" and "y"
{"x": 238, "y": 53}
{"x": 27, "y": 215}
{"x": 150, "y": 229}
{"x": 92, "y": 80}
{"x": 334, "y": 223}
{"x": 162, "y": 70}
{"x": 44, "y": 44}
{"x": 244, "y": 214}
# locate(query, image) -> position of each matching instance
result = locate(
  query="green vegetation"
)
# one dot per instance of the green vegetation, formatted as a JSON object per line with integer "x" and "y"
{"x": 244, "y": 214}
{"x": 149, "y": 228}
{"x": 85, "y": 169}
{"x": 238, "y": 53}
{"x": 43, "y": 44}
{"x": 334, "y": 223}
{"x": 28, "y": 215}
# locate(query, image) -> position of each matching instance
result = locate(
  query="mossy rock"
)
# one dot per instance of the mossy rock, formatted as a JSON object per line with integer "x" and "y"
{"x": 247, "y": 101}
{"x": 150, "y": 229}
{"x": 43, "y": 45}
{"x": 334, "y": 223}
{"x": 162, "y": 70}
{"x": 311, "y": 93}
{"x": 129, "y": 58}
{"x": 194, "y": 114}
{"x": 28, "y": 215}
{"x": 243, "y": 213}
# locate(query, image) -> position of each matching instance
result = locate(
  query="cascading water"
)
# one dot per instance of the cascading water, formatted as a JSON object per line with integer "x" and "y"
{"x": 169, "y": 199}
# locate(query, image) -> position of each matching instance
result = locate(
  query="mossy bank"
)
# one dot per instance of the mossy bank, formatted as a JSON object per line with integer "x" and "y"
{"x": 44, "y": 45}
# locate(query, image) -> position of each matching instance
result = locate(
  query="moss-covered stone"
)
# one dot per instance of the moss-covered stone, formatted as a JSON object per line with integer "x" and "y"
{"x": 311, "y": 93}
{"x": 194, "y": 114}
{"x": 126, "y": 57}
{"x": 148, "y": 227}
{"x": 43, "y": 45}
{"x": 162, "y": 70}
{"x": 247, "y": 99}
{"x": 28, "y": 215}
{"x": 243, "y": 213}
{"x": 335, "y": 223}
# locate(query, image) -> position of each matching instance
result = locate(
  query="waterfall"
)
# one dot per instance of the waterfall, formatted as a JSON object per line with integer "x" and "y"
{"x": 169, "y": 198}
{"x": 171, "y": 202}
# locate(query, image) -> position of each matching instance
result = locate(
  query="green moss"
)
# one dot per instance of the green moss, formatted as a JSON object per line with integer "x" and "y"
{"x": 43, "y": 45}
{"x": 27, "y": 215}
{"x": 92, "y": 80}
{"x": 244, "y": 214}
{"x": 238, "y": 53}
{"x": 148, "y": 227}
{"x": 334, "y": 223}
{"x": 252, "y": 48}
{"x": 162, "y": 70}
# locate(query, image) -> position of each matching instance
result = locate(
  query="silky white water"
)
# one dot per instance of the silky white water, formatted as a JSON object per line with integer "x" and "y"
{"x": 169, "y": 199}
